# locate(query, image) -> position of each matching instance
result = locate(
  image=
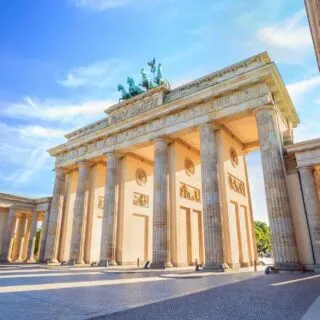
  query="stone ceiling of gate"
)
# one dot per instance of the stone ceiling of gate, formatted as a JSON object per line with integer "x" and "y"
{"x": 236, "y": 90}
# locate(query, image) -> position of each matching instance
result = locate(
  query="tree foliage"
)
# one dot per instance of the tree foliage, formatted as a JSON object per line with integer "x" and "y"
{"x": 263, "y": 237}
{"x": 36, "y": 247}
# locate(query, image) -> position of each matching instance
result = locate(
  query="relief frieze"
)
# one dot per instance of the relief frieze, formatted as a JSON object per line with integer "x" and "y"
{"x": 257, "y": 91}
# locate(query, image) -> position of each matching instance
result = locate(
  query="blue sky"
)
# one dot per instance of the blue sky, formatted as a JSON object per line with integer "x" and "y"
{"x": 60, "y": 63}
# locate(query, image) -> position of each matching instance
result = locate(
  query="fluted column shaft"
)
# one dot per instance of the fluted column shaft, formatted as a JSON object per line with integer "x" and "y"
{"x": 109, "y": 223}
{"x": 279, "y": 212}
{"x": 32, "y": 238}
{"x": 53, "y": 232}
{"x": 210, "y": 198}
{"x": 8, "y": 236}
{"x": 80, "y": 215}
{"x": 43, "y": 236}
{"x": 23, "y": 230}
{"x": 160, "y": 252}
{"x": 312, "y": 205}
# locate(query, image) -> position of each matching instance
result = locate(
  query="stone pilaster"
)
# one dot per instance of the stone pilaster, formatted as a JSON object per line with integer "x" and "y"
{"x": 32, "y": 238}
{"x": 312, "y": 206}
{"x": 53, "y": 232}
{"x": 43, "y": 235}
{"x": 8, "y": 236}
{"x": 80, "y": 215}
{"x": 214, "y": 255}
{"x": 279, "y": 212}
{"x": 109, "y": 223}
{"x": 160, "y": 252}
{"x": 21, "y": 238}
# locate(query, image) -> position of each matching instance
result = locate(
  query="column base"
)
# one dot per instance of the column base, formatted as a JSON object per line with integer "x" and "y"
{"x": 316, "y": 268}
{"x": 52, "y": 261}
{"x": 74, "y": 262}
{"x": 217, "y": 267}
{"x": 108, "y": 263}
{"x": 31, "y": 261}
{"x": 289, "y": 267}
{"x": 161, "y": 265}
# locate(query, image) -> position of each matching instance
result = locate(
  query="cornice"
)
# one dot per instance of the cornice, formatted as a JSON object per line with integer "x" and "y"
{"x": 303, "y": 146}
{"x": 265, "y": 72}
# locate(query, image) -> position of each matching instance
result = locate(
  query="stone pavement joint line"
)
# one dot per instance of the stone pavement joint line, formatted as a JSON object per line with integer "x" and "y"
{"x": 66, "y": 285}
{"x": 296, "y": 280}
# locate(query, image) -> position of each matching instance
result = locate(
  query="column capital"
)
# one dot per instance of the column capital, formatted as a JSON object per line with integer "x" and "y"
{"x": 114, "y": 154}
{"x": 267, "y": 107}
{"x": 85, "y": 163}
{"x": 163, "y": 139}
{"x": 60, "y": 171}
{"x": 206, "y": 125}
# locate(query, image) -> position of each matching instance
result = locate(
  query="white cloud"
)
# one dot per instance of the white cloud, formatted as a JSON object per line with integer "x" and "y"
{"x": 23, "y": 150}
{"x": 55, "y": 110}
{"x": 101, "y": 74}
{"x": 287, "y": 41}
{"x": 292, "y": 33}
{"x": 298, "y": 89}
{"x": 101, "y": 5}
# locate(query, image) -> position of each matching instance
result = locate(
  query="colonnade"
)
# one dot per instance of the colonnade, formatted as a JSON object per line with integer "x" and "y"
{"x": 308, "y": 177}
{"x": 19, "y": 238}
{"x": 283, "y": 240}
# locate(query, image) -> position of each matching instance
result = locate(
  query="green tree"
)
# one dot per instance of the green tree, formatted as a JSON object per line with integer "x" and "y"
{"x": 36, "y": 247}
{"x": 263, "y": 237}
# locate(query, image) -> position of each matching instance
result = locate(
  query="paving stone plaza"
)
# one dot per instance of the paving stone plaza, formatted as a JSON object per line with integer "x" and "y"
{"x": 67, "y": 293}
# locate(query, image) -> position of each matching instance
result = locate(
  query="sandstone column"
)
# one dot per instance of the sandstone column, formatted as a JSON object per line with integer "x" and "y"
{"x": 312, "y": 206}
{"x": 21, "y": 238}
{"x": 43, "y": 235}
{"x": 53, "y": 232}
{"x": 8, "y": 236}
{"x": 80, "y": 215}
{"x": 109, "y": 223}
{"x": 160, "y": 252}
{"x": 281, "y": 226}
{"x": 32, "y": 239}
{"x": 214, "y": 255}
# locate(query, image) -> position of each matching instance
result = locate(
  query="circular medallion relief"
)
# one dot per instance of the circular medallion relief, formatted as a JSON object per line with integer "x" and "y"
{"x": 234, "y": 157}
{"x": 189, "y": 167}
{"x": 141, "y": 177}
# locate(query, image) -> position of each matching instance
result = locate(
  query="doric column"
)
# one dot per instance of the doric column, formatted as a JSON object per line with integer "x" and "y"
{"x": 53, "y": 232}
{"x": 8, "y": 236}
{"x": 43, "y": 235}
{"x": 32, "y": 238}
{"x": 160, "y": 252}
{"x": 282, "y": 232}
{"x": 214, "y": 255}
{"x": 312, "y": 206}
{"x": 80, "y": 215}
{"x": 109, "y": 222}
{"x": 21, "y": 238}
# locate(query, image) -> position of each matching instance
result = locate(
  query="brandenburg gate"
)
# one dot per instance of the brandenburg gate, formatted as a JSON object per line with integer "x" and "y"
{"x": 163, "y": 176}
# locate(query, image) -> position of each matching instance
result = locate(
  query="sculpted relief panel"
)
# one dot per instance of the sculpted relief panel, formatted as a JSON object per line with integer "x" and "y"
{"x": 258, "y": 91}
{"x": 189, "y": 192}
{"x": 236, "y": 184}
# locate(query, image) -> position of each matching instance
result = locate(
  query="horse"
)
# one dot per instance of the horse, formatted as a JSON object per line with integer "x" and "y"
{"x": 133, "y": 89}
{"x": 125, "y": 94}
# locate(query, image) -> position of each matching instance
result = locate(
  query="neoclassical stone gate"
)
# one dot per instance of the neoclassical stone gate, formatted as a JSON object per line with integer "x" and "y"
{"x": 163, "y": 177}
